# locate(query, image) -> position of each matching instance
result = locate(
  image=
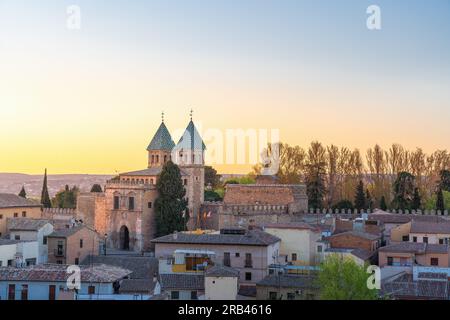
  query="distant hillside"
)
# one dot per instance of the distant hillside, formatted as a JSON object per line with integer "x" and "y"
{"x": 12, "y": 182}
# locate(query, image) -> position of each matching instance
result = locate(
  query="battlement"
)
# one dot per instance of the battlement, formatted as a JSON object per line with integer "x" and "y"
{"x": 400, "y": 211}
{"x": 58, "y": 211}
{"x": 128, "y": 184}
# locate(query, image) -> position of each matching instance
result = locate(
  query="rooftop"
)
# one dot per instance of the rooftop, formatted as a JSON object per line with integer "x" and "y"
{"x": 221, "y": 271}
{"x": 250, "y": 238}
{"x": 137, "y": 285}
{"x": 8, "y": 200}
{"x": 66, "y": 232}
{"x": 415, "y": 247}
{"x": 293, "y": 225}
{"x": 359, "y": 234}
{"x": 288, "y": 281}
{"x": 430, "y": 227}
{"x": 182, "y": 281}
{"x": 99, "y": 273}
{"x": 154, "y": 171}
{"x": 26, "y": 224}
{"x": 141, "y": 267}
{"x": 161, "y": 140}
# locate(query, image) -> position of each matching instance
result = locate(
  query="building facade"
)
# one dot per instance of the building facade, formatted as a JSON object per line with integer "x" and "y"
{"x": 13, "y": 206}
{"x": 125, "y": 211}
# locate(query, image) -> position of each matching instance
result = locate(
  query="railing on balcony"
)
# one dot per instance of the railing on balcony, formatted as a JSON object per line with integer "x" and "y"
{"x": 400, "y": 264}
{"x": 248, "y": 264}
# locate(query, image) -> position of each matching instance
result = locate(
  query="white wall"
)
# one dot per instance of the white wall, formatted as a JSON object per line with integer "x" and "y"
{"x": 220, "y": 288}
{"x": 7, "y": 252}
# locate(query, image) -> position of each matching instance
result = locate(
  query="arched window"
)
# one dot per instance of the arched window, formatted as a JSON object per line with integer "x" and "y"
{"x": 153, "y": 158}
{"x": 157, "y": 158}
{"x": 165, "y": 159}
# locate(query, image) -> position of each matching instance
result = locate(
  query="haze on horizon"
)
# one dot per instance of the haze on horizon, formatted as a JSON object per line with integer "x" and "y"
{"x": 90, "y": 100}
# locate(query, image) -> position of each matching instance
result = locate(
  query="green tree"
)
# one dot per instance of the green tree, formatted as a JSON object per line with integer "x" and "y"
{"x": 96, "y": 188}
{"x": 23, "y": 193}
{"x": 170, "y": 206}
{"x": 45, "y": 197}
{"x": 360, "y": 197}
{"x": 369, "y": 200}
{"x": 430, "y": 204}
{"x": 440, "y": 205}
{"x": 66, "y": 198}
{"x": 444, "y": 182}
{"x": 403, "y": 191}
{"x": 417, "y": 201}
{"x": 211, "y": 177}
{"x": 383, "y": 205}
{"x": 212, "y": 196}
{"x": 343, "y": 204}
{"x": 315, "y": 176}
{"x": 340, "y": 278}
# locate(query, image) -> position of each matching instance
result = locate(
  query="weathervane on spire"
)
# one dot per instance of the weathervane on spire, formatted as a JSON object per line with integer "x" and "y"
{"x": 191, "y": 113}
{"x": 162, "y": 116}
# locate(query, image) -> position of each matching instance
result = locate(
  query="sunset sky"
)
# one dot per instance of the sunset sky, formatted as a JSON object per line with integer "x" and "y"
{"x": 90, "y": 100}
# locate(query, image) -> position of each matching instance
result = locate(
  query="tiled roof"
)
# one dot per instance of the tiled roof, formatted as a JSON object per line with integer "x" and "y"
{"x": 415, "y": 247}
{"x": 191, "y": 139}
{"x": 404, "y": 286}
{"x": 8, "y": 200}
{"x": 221, "y": 271}
{"x": 362, "y": 254}
{"x": 403, "y": 218}
{"x": 26, "y": 224}
{"x": 141, "y": 267}
{"x": 154, "y": 171}
{"x": 182, "y": 281}
{"x": 58, "y": 273}
{"x": 65, "y": 232}
{"x": 137, "y": 285}
{"x": 251, "y": 238}
{"x": 288, "y": 281}
{"x": 430, "y": 227}
{"x": 292, "y": 225}
{"x": 359, "y": 234}
{"x": 161, "y": 140}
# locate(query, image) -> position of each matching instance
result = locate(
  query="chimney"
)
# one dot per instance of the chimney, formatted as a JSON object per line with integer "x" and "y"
{"x": 175, "y": 235}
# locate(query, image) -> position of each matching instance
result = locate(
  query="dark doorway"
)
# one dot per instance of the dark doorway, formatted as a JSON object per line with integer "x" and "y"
{"x": 124, "y": 238}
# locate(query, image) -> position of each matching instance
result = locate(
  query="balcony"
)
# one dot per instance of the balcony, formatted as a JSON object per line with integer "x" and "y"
{"x": 248, "y": 264}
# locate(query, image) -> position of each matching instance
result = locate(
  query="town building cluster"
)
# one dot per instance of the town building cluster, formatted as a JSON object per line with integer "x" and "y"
{"x": 260, "y": 242}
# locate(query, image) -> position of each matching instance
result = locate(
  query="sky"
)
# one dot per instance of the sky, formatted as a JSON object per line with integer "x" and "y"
{"x": 89, "y": 100}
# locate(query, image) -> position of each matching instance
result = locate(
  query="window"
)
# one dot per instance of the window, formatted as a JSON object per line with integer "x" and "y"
{"x": 60, "y": 247}
{"x": 434, "y": 261}
{"x": 294, "y": 257}
{"x": 226, "y": 259}
{"x": 405, "y": 238}
{"x": 51, "y": 292}
{"x": 248, "y": 260}
{"x": 390, "y": 261}
{"x": 272, "y": 295}
{"x": 17, "y": 237}
{"x": 185, "y": 182}
{"x": 24, "y": 214}
{"x": 1, "y": 263}
{"x": 165, "y": 159}
{"x": 149, "y": 205}
{"x": 24, "y": 294}
{"x": 81, "y": 243}
{"x": 116, "y": 202}
{"x": 193, "y": 295}
{"x": 153, "y": 158}
{"x": 425, "y": 239}
{"x": 16, "y": 214}
{"x": 1, "y": 216}
{"x": 44, "y": 240}
{"x": 414, "y": 239}
{"x": 77, "y": 261}
{"x": 91, "y": 290}
{"x": 59, "y": 262}
{"x": 174, "y": 295}
{"x": 248, "y": 276}
{"x": 157, "y": 158}
{"x": 10, "y": 262}
{"x": 291, "y": 296}
{"x": 441, "y": 241}
{"x": 319, "y": 249}
{"x": 12, "y": 292}
{"x": 131, "y": 203}
{"x": 237, "y": 254}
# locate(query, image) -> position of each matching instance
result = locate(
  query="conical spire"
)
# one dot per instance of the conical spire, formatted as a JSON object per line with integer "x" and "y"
{"x": 162, "y": 139}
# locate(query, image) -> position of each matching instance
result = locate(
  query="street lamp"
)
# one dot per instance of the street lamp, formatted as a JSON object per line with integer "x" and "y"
{"x": 104, "y": 245}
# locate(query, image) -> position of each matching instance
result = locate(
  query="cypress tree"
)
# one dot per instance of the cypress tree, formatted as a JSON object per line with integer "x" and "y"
{"x": 45, "y": 197}
{"x": 383, "y": 205}
{"x": 22, "y": 193}
{"x": 360, "y": 197}
{"x": 170, "y": 206}
{"x": 417, "y": 201}
{"x": 369, "y": 201}
{"x": 440, "y": 205}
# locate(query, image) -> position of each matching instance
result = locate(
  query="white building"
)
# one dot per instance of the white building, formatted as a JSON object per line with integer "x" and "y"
{"x": 31, "y": 230}
{"x": 18, "y": 253}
